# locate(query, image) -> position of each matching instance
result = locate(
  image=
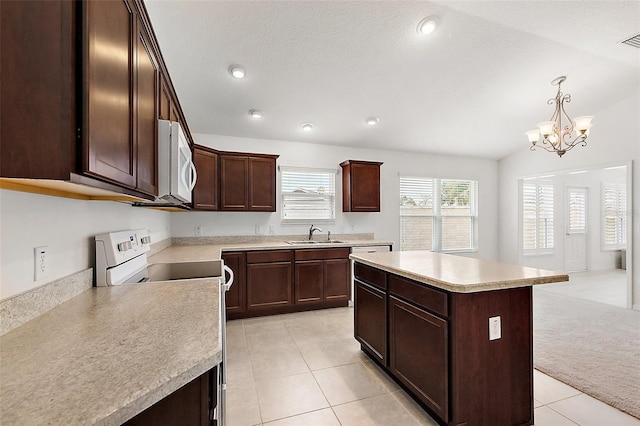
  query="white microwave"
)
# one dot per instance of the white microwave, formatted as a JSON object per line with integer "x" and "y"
{"x": 176, "y": 172}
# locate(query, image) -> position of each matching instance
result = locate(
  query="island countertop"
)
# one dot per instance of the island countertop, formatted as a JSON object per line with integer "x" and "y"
{"x": 109, "y": 353}
{"x": 457, "y": 274}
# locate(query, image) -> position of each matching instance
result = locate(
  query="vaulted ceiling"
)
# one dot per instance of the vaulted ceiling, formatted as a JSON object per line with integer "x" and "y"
{"x": 471, "y": 88}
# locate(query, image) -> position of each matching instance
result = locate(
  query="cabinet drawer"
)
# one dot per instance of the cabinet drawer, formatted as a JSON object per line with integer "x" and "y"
{"x": 419, "y": 294}
{"x": 371, "y": 275}
{"x": 269, "y": 256}
{"x": 321, "y": 254}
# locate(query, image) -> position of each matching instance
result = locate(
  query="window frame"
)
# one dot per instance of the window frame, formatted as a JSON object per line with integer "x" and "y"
{"x": 438, "y": 219}
{"x": 538, "y": 249}
{"x": 329, "y": 174}
{"x": 620, "y": 216}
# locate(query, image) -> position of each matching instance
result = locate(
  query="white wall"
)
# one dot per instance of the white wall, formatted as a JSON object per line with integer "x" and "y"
{"x": 385, "y": 225}
{"x": 615, "y": 140}
{"x": 66, "y": 227}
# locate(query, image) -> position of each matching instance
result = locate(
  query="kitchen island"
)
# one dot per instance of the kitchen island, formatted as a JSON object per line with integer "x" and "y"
{"x": 110, "y": 353}
{"x": 456, "y": 332}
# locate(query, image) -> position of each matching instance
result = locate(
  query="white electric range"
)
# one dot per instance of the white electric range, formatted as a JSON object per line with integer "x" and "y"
{"x": 121, "y": 258}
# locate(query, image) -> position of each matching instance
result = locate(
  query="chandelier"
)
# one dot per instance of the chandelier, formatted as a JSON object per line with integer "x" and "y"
{"x": 556, "y": 138}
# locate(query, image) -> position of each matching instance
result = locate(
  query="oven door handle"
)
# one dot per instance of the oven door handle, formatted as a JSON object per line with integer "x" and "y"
{"x": 228, "y": 282}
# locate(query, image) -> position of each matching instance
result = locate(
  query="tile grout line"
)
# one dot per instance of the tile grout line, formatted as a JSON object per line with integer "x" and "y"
{"x": 253, "y": 379}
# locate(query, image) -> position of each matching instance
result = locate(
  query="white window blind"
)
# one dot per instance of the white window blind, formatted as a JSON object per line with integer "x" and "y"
{"x": 308, "y": 195}
{"x": 614, "y": 221}
{"x": 537, "y": 216}
{"x": 577, "y": 211}
{"x": 438, "y": 214}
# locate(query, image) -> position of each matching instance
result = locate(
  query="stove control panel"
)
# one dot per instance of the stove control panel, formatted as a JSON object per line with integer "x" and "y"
{"x": 114, "y": 248}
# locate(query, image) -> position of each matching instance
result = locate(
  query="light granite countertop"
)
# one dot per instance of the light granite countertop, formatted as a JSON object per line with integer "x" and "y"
{"x": 202, "y": 252}
{"x": 457, "y": 274}
{"x": 109, "y": 353}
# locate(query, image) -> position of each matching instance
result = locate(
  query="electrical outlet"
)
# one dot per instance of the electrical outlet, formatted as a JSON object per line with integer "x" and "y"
{"x": 272, "y": 229}
{"x": 258, "y": 230}
{"x": 198, "y": 231}
{"x": 495, "y": 328}
{"x": 41, "y": 263}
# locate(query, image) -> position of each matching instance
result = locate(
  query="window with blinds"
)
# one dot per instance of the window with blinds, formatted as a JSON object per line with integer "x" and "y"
{"x": 438, "y": 214}
{"x": 537, "y": 216}
{"x": 614, "y": 219}
{"x": 577, "y": 209}
{"x": 308, "y": 195}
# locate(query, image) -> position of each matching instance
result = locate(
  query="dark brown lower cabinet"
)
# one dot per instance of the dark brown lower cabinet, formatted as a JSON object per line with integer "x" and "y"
{"x": 309, "y": 281}
{"x": 370, "y": 325}
{"x": 269, "y": 279}
{"x": 418, "y": 354}
{"x": 322, "y": 275}
{"x": 235, "y": 298}
{"x": 191, "y": 405}
{"x": 337, "y": 277}
{"x": 269, "y": 282}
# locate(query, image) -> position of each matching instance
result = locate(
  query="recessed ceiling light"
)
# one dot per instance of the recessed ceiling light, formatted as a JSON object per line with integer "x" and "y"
{"x": 236, "y": 71}
{"x": 254, "y": 113}
{"x": 428, "y": 25}
{"x": 372, "y": 121}
{"x": 307, "y": 127}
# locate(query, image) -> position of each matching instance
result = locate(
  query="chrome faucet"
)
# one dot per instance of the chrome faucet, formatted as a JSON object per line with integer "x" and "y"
{"x": 312, "y": 230}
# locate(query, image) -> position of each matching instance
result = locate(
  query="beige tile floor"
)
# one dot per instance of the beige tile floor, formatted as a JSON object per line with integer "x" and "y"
{"x": 306, "y": 369}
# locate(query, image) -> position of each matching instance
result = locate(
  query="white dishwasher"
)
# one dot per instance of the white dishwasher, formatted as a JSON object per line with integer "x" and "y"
{"x": 365, "y": 249}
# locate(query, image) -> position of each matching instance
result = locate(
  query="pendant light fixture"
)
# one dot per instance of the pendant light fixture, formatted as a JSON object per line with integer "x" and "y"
{"x": 555, "y": 137}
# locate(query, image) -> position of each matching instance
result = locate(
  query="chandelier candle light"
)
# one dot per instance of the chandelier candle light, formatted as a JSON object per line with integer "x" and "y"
{"x": 556, "y": 138}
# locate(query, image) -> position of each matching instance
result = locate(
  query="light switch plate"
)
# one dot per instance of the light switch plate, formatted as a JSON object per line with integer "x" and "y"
{"x": 495, "y": 328}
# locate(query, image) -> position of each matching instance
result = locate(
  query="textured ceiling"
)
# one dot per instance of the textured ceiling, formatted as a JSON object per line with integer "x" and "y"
{"x": 473, "y": 88}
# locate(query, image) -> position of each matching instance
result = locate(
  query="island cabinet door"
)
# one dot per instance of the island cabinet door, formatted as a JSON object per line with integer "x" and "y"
{"x": 418, "y": 354}
{"x": 371, "y": 320}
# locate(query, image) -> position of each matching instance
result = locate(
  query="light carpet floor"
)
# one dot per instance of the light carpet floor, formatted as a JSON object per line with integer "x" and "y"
{"x": 590, "y": 346}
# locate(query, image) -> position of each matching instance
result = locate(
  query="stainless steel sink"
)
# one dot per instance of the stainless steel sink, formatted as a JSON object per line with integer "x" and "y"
{"x": 315, "y": 242}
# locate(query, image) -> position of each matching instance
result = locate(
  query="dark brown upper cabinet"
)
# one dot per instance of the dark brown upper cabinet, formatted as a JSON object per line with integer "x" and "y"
{"x": 205, "y": 193}
{"x": 82, "y": 90}
{"x": 360, "y": 186}
{"x": 247, "y": 182}
{"x": 108, "y": 125}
